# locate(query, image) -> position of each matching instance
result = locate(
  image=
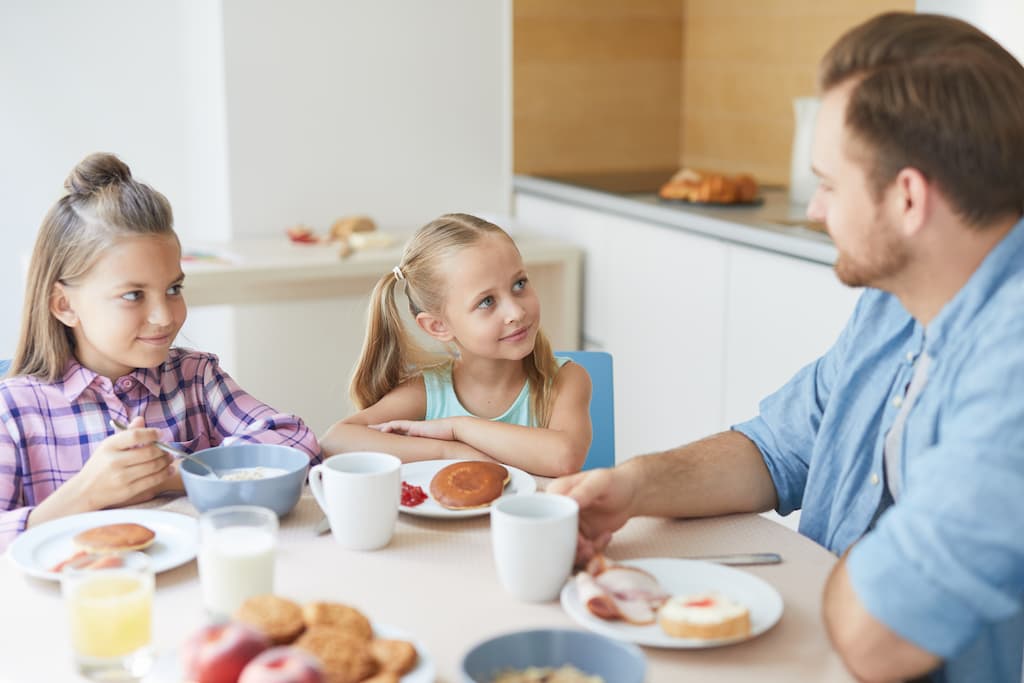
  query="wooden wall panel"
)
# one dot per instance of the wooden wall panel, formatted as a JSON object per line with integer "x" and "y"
{"x": 624, "y": 85}
{"x": 596, "y": 85}
{"x": 743, "y": 63}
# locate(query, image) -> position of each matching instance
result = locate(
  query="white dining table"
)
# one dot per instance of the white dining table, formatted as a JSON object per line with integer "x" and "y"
{"x": 436, "y": 581}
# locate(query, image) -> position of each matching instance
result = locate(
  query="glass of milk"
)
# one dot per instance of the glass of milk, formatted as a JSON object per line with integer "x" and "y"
{"x": 236, "y": 556}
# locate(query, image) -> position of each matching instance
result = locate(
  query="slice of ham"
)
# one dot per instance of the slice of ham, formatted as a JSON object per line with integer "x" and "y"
{"x": 616, "y": 591}
{"x": 85, "y": 560}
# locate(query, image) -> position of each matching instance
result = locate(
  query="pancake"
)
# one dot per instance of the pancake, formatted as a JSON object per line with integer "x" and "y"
{"x": 114, "y": 538}
{"x": 467, "y": 485}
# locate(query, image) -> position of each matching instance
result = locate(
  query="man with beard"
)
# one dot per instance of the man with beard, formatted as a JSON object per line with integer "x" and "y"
{"x": 903, "y": 444}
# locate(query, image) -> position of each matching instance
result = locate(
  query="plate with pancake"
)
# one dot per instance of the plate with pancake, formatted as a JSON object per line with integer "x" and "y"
{"x": 422, "y": 474}
{"x": 678, "y": 577}
{"x": 39, "y": 549}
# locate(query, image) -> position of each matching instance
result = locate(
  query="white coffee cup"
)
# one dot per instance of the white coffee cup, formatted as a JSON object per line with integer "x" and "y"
{"x": 359, "y": 492}
{"x": 534, "y": 542}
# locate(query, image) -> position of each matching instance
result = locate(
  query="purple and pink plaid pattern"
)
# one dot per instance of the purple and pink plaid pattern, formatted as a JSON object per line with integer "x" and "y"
{"x": 49, "y": 430}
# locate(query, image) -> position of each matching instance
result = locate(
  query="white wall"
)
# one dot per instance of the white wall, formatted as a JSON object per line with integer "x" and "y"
{"x": 1001, "y": 19}
{"x": 134, "y": 78}
{"x": 394, "y": 108}
{"x": 252, "y": 115}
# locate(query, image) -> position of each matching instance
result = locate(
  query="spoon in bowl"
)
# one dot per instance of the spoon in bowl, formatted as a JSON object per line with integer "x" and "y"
{"x": 170, "y": 450}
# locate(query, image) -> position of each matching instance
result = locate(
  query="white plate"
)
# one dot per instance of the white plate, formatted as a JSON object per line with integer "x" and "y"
{"x": 41, "y": 547}
{"x": 167, "y": 668}
{"x": 420, "y": 473}
{"x": 680, "y": 577}
{"x": 424, "y": 671}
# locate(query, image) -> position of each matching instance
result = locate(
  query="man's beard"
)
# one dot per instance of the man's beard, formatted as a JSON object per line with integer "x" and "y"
{"x": 887, "y": 254}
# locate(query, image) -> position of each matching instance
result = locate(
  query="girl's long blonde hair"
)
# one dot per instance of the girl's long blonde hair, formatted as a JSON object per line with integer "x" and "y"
{"x": 103, "y": 204}
{"x": 391, "y": 355}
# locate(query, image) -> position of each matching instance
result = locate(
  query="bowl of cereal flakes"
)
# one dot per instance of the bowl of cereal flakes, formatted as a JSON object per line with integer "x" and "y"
{"x": 553, "y": 656}
{"x": 262, "y": 474}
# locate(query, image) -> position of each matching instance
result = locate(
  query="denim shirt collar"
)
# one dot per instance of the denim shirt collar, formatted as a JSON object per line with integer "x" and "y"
{"x": 1000, "y": 263}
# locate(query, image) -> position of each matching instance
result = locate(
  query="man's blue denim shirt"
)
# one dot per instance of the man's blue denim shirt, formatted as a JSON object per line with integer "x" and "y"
{"x": 944, "y": 566}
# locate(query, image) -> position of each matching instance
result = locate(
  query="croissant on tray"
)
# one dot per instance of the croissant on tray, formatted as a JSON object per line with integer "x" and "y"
{"x": 714, "y": 188}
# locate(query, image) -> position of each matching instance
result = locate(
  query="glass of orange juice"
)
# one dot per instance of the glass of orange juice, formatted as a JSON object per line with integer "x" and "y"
{"x": 111, "y": 613}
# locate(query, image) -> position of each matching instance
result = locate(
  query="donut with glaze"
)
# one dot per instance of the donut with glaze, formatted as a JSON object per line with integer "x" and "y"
{"x": 469, "y": 484}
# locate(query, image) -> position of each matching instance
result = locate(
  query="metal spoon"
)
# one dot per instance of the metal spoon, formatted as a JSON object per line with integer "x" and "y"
{"x": 170, "y": 450}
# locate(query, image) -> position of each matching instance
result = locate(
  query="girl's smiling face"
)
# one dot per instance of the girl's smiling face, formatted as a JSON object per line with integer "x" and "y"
{"x": 491, "y": 309}
{"x": 127, "y": 309}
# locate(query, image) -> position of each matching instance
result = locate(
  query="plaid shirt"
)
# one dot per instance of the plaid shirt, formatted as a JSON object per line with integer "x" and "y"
{"x": 49, "y": 430}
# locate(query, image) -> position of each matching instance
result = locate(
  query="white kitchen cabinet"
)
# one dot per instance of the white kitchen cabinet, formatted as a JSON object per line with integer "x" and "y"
{"x": 781, "y": 314}
{"x": 655, "y": 299}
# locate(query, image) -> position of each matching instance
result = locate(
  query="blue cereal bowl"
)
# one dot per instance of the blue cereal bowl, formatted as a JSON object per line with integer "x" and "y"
{"x": 593, "y": 654}
{"x": 280, "y": 492}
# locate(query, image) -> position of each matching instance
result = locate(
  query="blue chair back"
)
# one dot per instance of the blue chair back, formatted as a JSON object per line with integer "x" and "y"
{"x": 598, "y": 365}
{"x": 4, "y": 365}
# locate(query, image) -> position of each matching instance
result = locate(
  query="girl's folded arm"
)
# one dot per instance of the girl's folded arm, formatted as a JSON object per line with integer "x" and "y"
{"x": 555, "y": 450}
{"x": 405, "y": 402}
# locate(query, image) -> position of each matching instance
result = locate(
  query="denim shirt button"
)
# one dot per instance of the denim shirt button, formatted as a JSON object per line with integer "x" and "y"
{"x": 874, "y": 479}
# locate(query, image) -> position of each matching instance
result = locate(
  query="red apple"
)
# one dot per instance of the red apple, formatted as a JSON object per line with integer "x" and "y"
{"x": 217, "y": 653}
{"x": 282, "y": 665}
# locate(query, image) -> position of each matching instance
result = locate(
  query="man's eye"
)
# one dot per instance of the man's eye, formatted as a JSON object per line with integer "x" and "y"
{"x": 520, "y": 284}
{"x": 486, "y": 302}
{"x": 175, "y": 290}
{"x": 132, "y": 296}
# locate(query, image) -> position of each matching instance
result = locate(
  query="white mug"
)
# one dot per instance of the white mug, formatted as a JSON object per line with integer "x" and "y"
{"x": 534, "y": 542}
{"x": 359, "y": 492}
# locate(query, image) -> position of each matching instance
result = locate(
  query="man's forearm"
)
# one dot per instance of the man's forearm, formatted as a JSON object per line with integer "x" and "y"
{"x": 721, "y": 474}
{"x": 870, "y": 650}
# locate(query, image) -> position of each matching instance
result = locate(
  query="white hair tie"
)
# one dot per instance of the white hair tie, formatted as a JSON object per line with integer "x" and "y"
{"x": 398, "y": 273}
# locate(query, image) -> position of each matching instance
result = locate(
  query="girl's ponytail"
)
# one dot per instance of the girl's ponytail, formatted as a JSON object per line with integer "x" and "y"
{"x": 541, "y": 369}
{"x": 387, "y": 355}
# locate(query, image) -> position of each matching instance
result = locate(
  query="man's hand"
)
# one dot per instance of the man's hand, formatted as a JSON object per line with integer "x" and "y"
{"x": 605, "y": 497}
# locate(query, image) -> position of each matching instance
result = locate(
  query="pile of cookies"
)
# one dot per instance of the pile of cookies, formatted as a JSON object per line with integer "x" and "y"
{"x": 338, "y": 635}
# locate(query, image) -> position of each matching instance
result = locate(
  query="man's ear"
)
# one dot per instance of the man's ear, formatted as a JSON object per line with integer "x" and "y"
{"x": 434, "y": 326}
{"x": 60, "y": 305}
{"x": 914, "y": 196}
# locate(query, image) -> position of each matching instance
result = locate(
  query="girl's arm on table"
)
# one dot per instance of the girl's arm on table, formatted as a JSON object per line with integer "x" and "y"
{"x": 238, "y": 416}
{"x": 555, "y": 450}
{"x": 406, "y": 402}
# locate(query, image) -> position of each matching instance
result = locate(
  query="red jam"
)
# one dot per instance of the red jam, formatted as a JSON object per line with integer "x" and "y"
{"x": 412, "y": 495}
{"x": 706, "y": 602}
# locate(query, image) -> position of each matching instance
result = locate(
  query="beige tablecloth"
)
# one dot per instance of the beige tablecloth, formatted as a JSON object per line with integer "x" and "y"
{"x": 436, "y": 580}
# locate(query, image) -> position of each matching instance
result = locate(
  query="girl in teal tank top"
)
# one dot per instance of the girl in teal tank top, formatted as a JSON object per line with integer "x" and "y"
{"x": 499, "y": 393}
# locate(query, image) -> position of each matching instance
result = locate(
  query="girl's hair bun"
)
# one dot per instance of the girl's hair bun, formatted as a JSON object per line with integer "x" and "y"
{"x": 95, "y": 172}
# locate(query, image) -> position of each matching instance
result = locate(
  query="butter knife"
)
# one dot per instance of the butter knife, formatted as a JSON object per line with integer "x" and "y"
{"x": 740, "y": 558}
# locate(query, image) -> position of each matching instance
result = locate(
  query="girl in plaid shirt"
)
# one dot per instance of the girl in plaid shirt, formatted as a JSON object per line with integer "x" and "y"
{"x": 103, "y": 305}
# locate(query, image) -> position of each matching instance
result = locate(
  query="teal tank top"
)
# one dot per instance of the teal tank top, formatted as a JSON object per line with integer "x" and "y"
{"x": 442, "y": 401}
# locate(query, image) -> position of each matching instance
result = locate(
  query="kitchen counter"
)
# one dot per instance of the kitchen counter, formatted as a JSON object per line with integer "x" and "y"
{"x": 776, "y": 225}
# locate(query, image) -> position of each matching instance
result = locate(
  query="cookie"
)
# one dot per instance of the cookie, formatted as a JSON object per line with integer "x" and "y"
{"x": 345, "y": 657}
{"x": 114, "y": 538}
{"x": 347, "y": 618}
{"x": 383, "y": 677}
{"x": 280, "y": 619}
{"x": 395, "y": 656}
